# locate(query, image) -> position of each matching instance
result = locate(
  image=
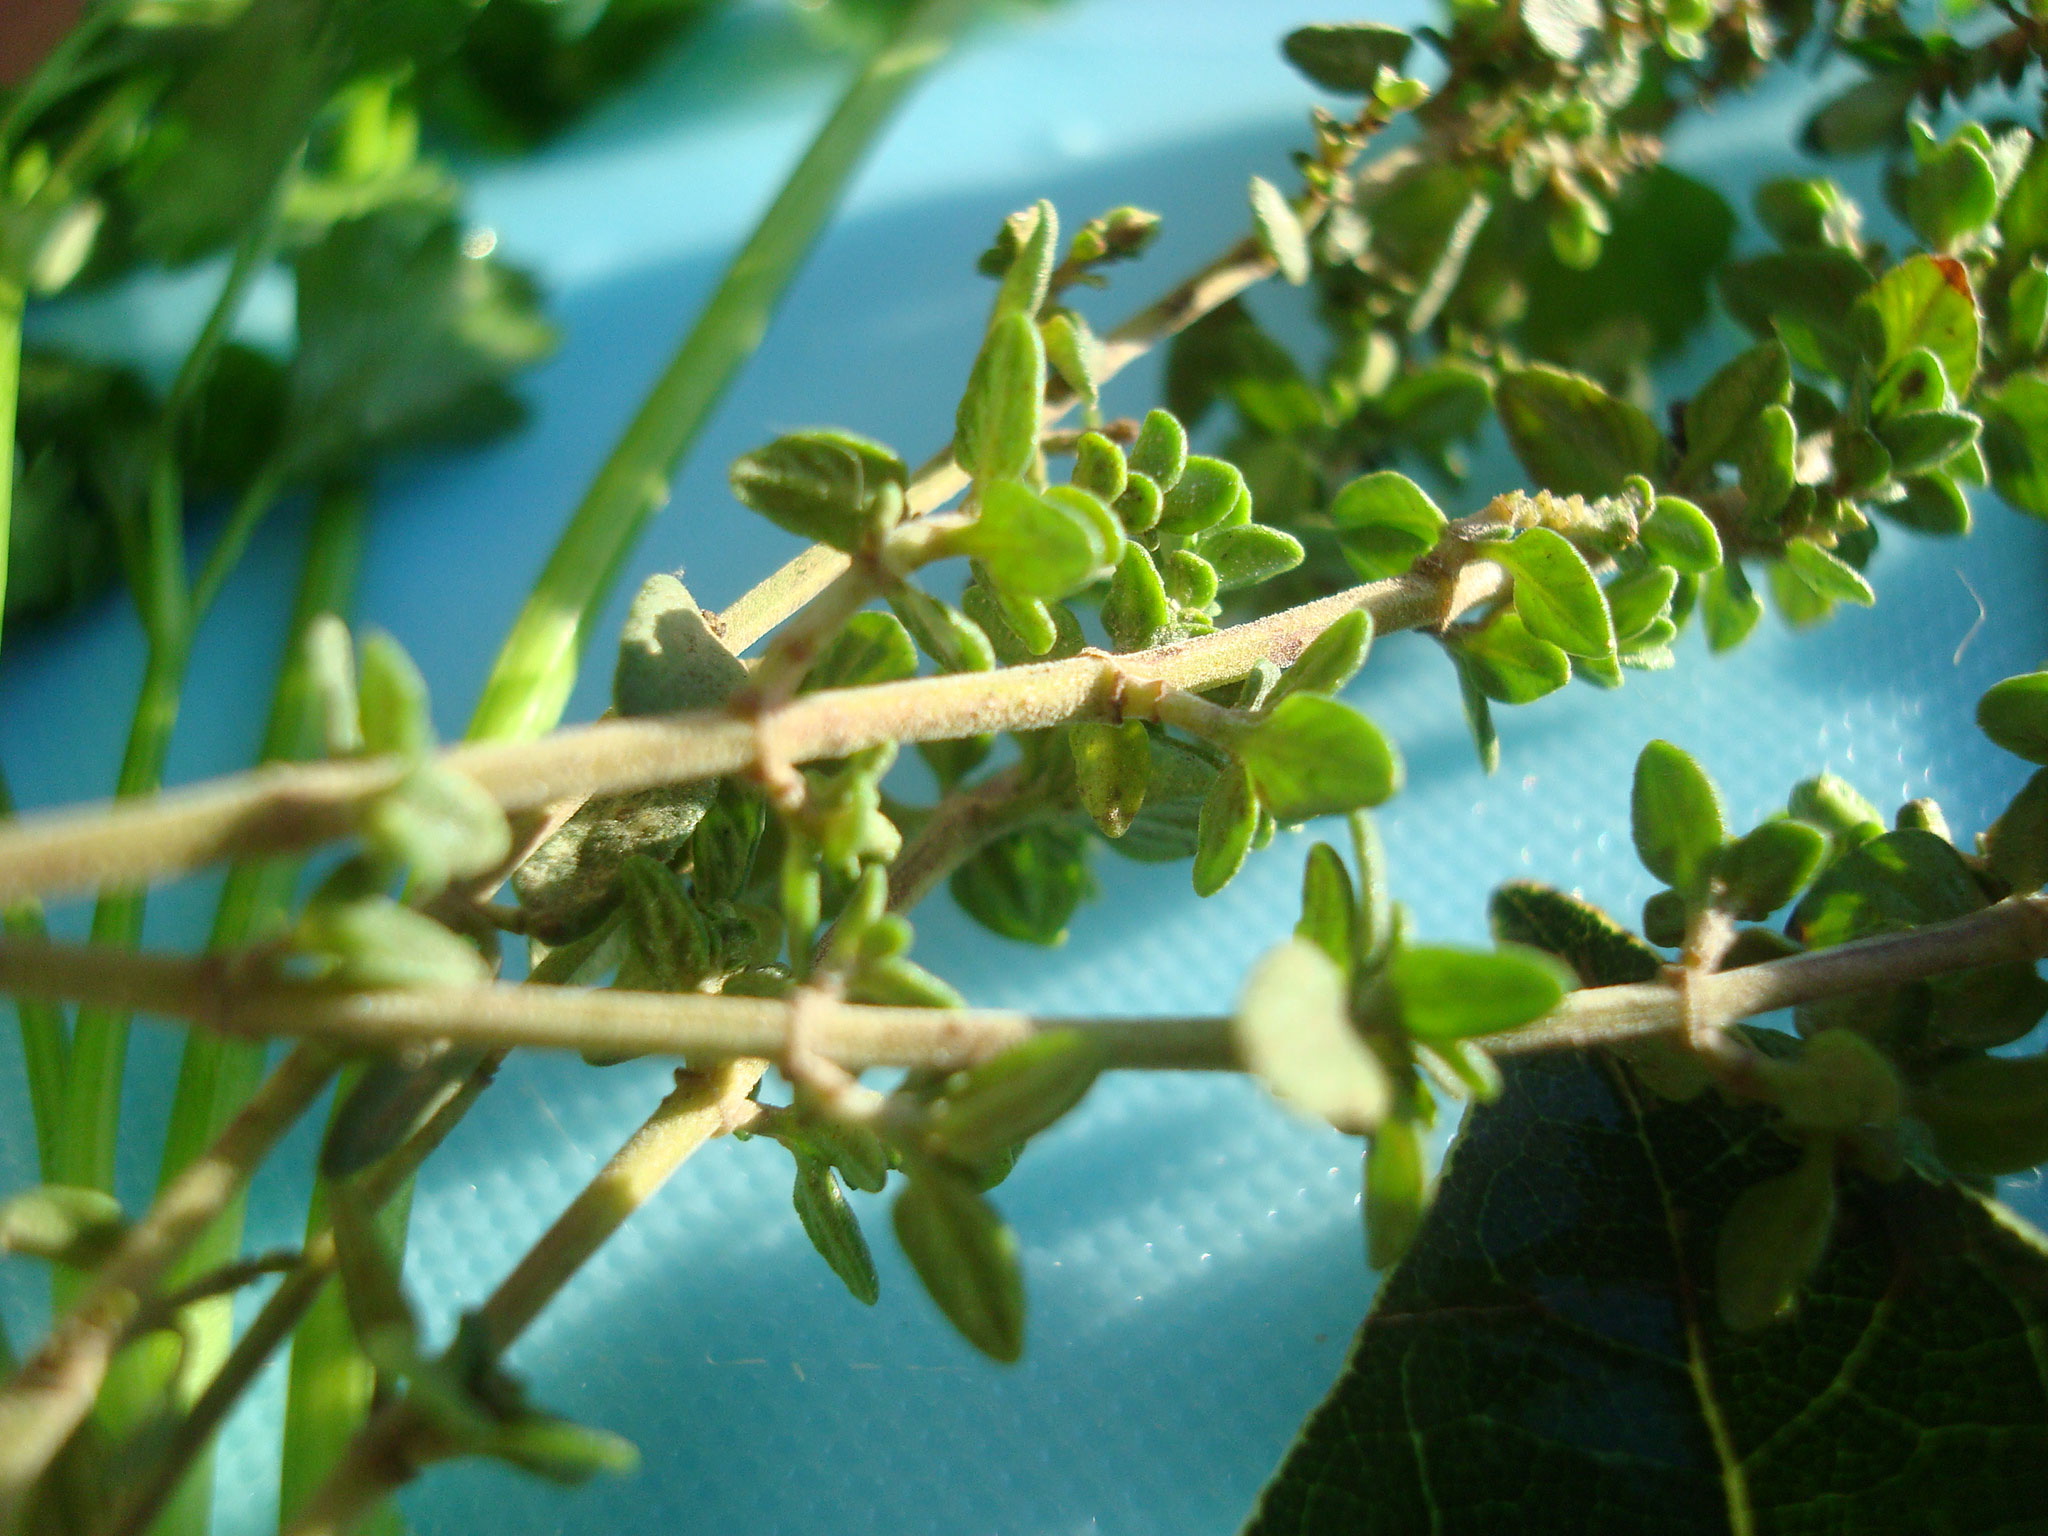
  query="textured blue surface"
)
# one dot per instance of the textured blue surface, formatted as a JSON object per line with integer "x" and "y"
{"x": 1192, "y": 1252}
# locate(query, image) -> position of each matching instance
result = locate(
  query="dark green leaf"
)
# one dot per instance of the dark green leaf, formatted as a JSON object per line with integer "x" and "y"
{"x": 1027, "y": 885}
{"x": 404, "y": 340}
{"x": 1313, "y": 756}
{"x": 1573, "y": 436}
{"x": 390, "y": 1101}
{"x": 1933, "y": 505}
{"x": 966, "y": 1257}
{"x": 1452, "y": 994}
{"x": 1599, "y": 950}
{"x": 1166, "y": 829}
{"x": 1385, "y": 523}
{"x": 1571, "y": 1250}
{"x": 1294, "y": 1033}
{"x": 1675, "y": 816}
{"x": 1479, "y": 714}
{"x": 2017, "y": 843}
{"x": 1346, "y": 56}
{"x": 833, "y": 1229}
{"x": 1804, "y": 297}
{"x": 1639, "y": 601}
{"x": 1772, "y": 1240}
{"x": 1827, "y": 574}
{"x": 1888, "y": 884}
{"x": 2014, "y": 714}
{"x": 1868, "y": 115}
{"x": 1989, "y": 1114}
{"x": 1919, "y": 441}
{"x": 1728, "y": 607}
{"x": 995, "y": 431}
{"x": 1951, "y": 194}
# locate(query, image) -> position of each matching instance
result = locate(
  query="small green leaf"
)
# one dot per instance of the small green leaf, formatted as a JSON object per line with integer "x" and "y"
{"x": 1505, "y": 662}
{"x": 1720, "y": 416}
{"x": 1768, "y": 461}
{"x": 1135, "y": 610}
{"x": 1251, "y": 553}
{"x": 966, "y": 1257}
{"x": 1012, "y": 1097}
{"x": 1675, "y": 816}
{"x": 1989, "y": 1114}
{"x": 1329, "y": 661}
{"x": 394, "y": 713}
{"x": 1772, "y": 1240}
{"x": 833, "y": 1229}
{"x": 1827, "y": 574}
{"x": 1027, "y": 885}
{"x": 1034, "y": 233}
{"x": 1313, "y": 756}
{"x": 1833, "y": 805}
{"x": 1041, "y": 544}
{"x": 1230, "y": 815}
{"x": 1682, "y": 537}
{"x": 62, "y": 1224}
{"x": 2014, "y": 714}
{"x": 1556, "y": 593}
{"x": 1893, "y": 882}
{"x": 1572, "y": 435}
{"x": 1279, "y": 231}
{"x": 668, "y": 940}
{"x": 2016, "y": 440}
{"x": 1805, "y": 299}
{"x": 1599, "y": 950}
{"x": 1385, "y": 523}
{"x": 1728, "y": 607}
{"x": 669, "y": 660}
{"x": 834, "y": 487}
{"x": 1329, "y": 908}
{"x": 1190, "y": 580}
{"x": 373, "y": 942}
{"x": 1294, "y": 1033}
{"x": 2017, "y": 843}
{"x": 1072, "y": 350}
{"x": 1933, "y": 505}
{"x": 1838, "y": 1082}
{"x": 995, "y": 432}
{"x": 1201, "y": 496}
{"x": 1640, "y": 600}
{"x": 1112, "y": 764}
{"x": 1479, "y": 714}
{"x": 1396, "y": 1192}
{"x": 1765, "y": 868}
{"x": 1346, "y": 56}
{"x": 1951, "y": 194}
{"x": 439, "y": 825}
{"x": 1453, "y": 994}
{"x": 1099, "y": 467}
{"x": 873, "y": 648}
{"x": 1926, "y": 301}
{"x": 1161, "y": 451}
{"x": 1920, "y": 441}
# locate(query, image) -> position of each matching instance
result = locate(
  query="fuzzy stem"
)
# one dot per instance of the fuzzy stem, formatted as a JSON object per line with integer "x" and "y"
{"x": 536, "y": 667}
{"x": 277, "y": 809}
{"x": 212, "y": 992}
{"x": 54, "y": 1390}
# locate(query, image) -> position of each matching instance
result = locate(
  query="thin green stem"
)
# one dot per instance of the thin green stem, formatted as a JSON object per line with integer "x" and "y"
{"x": 45, "y": 1047}
{"x": 44, "y": 1402}
{"x": 217, "y": 1074}
{"x": 536, "y": 667}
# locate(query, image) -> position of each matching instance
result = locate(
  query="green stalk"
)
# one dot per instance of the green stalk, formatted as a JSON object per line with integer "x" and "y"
{"x": 529, "y": 685}
{"x": 44, "y": 1048}
{"x": 84, "y": 1153}
{"x": 217, "y": 1074}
